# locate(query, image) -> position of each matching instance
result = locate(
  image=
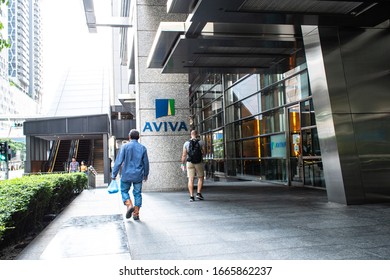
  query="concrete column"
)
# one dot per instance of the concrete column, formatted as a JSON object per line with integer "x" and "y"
{"x": 27, "y": 161}
{"x": 106, "y": 160}
{"x": 163, "y": 136}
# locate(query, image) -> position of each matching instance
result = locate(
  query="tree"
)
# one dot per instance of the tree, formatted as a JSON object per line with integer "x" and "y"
{"x": 4, "y": 43}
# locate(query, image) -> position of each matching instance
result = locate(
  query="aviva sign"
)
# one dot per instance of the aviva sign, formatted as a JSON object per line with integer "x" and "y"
{"x": 164, "y": 107}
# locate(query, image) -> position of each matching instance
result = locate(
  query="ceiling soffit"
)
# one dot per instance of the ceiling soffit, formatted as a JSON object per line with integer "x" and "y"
{"x": 238, "y": 36}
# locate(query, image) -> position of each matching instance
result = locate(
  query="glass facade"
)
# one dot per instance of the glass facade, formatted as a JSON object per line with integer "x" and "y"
{"x": 259, "y": 127}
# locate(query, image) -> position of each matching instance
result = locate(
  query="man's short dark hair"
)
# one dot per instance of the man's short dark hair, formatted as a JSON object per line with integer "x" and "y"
{"x": 134, "y": 134}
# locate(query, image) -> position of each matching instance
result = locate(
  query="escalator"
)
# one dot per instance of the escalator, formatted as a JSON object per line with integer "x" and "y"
{"x": 89, "y": 151}
{"x": 84, "y": 151}
{"x": 60, "y": 158}
{"x": 98, "y": 162}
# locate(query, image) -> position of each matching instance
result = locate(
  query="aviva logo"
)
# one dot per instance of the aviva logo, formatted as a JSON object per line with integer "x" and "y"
{"x": 165, "y": 107}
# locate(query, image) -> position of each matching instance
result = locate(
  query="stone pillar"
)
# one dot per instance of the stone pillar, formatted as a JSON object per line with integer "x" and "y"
{"x": 163, "y": 136}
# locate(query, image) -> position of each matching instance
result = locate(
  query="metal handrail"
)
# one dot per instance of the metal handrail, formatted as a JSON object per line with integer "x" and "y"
{"x": 93, "y": 170}
{"x": 53, "y": 162}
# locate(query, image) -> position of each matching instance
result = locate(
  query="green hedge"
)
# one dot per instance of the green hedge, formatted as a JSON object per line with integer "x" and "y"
{"x": 25, "y": 201}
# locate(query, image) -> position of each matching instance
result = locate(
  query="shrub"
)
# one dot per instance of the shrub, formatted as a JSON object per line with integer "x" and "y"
{"x": 25, "y": 201}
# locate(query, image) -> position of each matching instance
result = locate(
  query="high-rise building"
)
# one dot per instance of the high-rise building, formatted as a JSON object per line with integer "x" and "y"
{"x": 20, "y": 64}
{"x": 25, "y": 62}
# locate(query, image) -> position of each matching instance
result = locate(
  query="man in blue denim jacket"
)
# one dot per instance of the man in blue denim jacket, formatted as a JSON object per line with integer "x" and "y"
{"x": 133, "y": 158}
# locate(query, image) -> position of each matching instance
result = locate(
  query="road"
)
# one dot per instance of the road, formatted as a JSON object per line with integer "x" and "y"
{"x": 12, "y": 174}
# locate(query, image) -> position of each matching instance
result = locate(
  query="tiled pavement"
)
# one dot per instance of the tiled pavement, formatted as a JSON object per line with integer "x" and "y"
{"x": 236, "y": 221}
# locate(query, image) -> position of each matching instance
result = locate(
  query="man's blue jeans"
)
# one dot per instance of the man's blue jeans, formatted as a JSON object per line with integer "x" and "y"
{"x": 137, "y": 190}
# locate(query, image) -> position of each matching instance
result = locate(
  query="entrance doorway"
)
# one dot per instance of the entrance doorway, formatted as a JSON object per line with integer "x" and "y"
{"x": 295, "y": 157}
{"x": 304, "y": 154}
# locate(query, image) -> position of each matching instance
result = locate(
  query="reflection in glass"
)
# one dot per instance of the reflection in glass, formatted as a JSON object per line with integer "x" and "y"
{"x": 273, "y": 170}
{"x": 251, "y": 167}
{"x": 238, "y": 145}
{"x": 272, "y": 97}
{"x": 243, "y": 89}
{"x": 272, "y": 122}
{"x": 250, "y": 106}
{"x": 310, "y": 143}
{"x": 259, "y": 142}
{"x": 307, "y": 113}
{"x": 250, "y": 128}
{"x": 231, "y": 150}
{"x": 265, "y": 147}
{"x": 218, "y": 151}
{"x": 207, "y": 112}
{"x": 314, "y": 173}
{"x": 250, "y": 148}
{"x": 296, "y": 88}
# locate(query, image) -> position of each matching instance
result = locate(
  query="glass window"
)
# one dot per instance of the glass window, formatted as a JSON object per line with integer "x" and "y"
{"x": 243, "y": 89}
{"x": 231, "y": 167}
{"x": 305, "y": 89}
{"x": 272, "y": 122}
{"x": 238, "y": 149}
{"x": 278, "y": 145}
{"x": 239, "y": 166}
{"x": 207, "y": 140}
{"x": 207, "y": 125}
{"x": 265, "y": 146}
{"x": 230, "y": 79}
{"x": 245, "y": 108}
{"x": 250, "y": 128}
{"x": 250, "y": 148}
{"x": 293, "y": 89}
{"x": 217, "y": 106}
{"x": 207, "y": 112}
{"x": 307, "y": 113}
{"x": 269, "y": 79}
{"x": 233, "y": 113}
{"x": 273, "y": 170}
{"x": 218, "y": 151}
{"x": 211, "y": 95}
{"x": 218, "y": 166}
{"x": 310, "y": 142}
{"x": 314, "y": 173}
{"x": 230, "y": 131}
{"x": 218, "y": 121}
{"x": 272, "y": 97}
{"x": 297, "y": 88}
{"x": 231, "y": 150}
{"x": 251, "y": 167}
{"x": 250, "y": 106}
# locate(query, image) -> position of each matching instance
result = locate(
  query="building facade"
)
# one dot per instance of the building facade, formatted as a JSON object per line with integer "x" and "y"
{"x": 285, "y": 93}
{"x": 259, "y": 127}
{"x": 15, "y": 99}
{"x": 25, "y": 52}
{"x": 294, "y": 94}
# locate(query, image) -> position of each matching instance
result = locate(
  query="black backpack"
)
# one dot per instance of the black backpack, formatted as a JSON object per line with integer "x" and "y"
{"x": 194, "y": 152}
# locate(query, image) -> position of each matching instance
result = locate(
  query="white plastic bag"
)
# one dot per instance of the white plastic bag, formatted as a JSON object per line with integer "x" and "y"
{"x": 113, "y": 187}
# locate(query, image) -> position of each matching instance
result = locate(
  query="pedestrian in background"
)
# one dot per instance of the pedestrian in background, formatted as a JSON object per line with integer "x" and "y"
{"x": 133, "y": 158}
{"x": 74, "y": 166}
{"x": 83, "y": 168}
{"x": 192, "y": 156}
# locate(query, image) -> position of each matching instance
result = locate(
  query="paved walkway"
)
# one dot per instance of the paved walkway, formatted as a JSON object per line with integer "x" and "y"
{"x": 236, "y": 221}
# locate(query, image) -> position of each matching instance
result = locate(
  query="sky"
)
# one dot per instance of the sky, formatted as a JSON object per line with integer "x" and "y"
{"x": 67, "y": 42}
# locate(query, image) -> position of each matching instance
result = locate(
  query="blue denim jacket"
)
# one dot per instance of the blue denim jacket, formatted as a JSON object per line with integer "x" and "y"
{"x": 133, "y": 157}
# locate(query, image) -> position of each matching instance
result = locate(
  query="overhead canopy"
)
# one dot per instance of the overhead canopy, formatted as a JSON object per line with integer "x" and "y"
{"x": 67, "y": 128}
{"x": 241, "y": 36}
